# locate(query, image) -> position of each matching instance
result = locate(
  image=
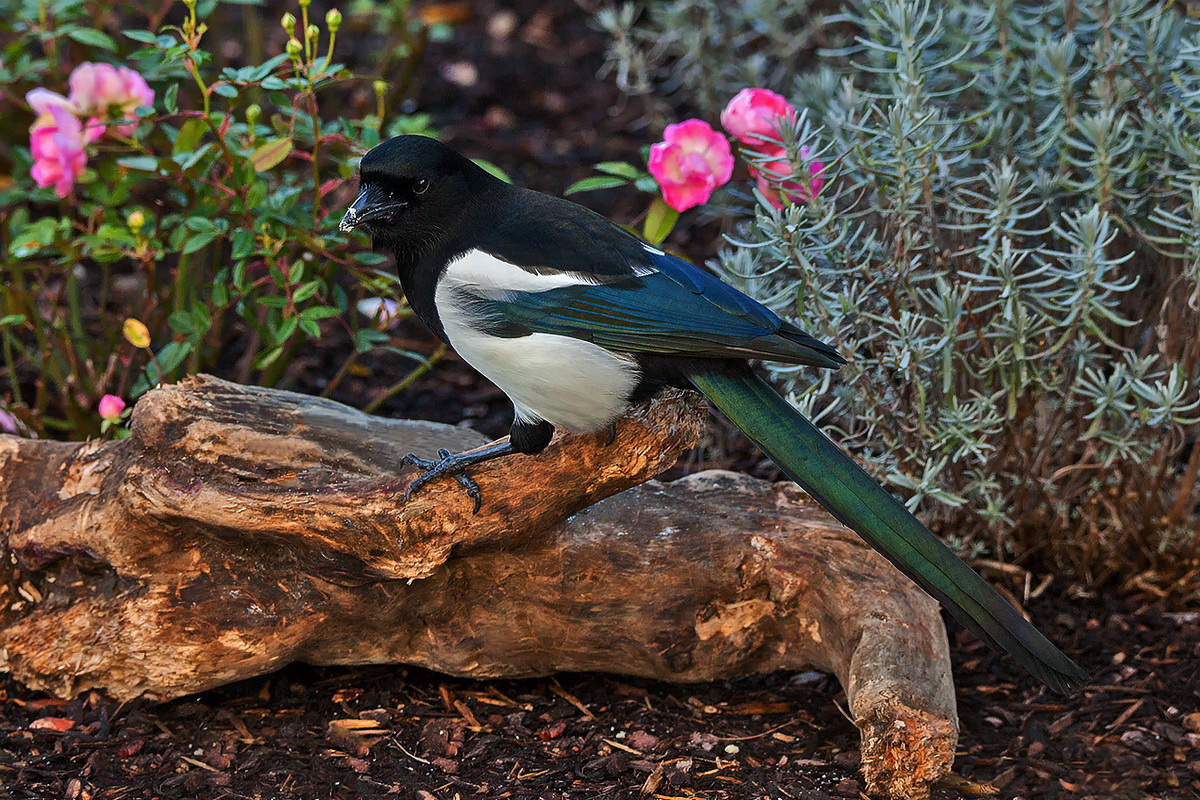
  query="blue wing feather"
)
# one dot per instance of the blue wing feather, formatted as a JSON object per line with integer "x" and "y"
{"x": 675, "y": 309}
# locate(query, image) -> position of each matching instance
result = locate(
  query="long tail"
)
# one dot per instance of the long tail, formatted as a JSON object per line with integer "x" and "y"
{"x": 861, "y": 504}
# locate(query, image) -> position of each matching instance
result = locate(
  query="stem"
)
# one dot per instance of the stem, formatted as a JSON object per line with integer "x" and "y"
{"x": 341, "y": 373}
{"x": 181, "y": 276}
{"x": 73, "y": 304}
{"x": 408, "y": 379}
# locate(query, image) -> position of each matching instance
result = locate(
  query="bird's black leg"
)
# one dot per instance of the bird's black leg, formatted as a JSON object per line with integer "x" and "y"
{"x": 455, "y": 464}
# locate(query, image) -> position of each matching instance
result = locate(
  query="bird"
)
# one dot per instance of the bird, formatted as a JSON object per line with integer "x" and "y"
{"x": 576, "y": 318}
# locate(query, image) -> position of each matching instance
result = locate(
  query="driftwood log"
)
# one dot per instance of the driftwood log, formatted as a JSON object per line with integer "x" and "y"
{"x": 238, "y": 529}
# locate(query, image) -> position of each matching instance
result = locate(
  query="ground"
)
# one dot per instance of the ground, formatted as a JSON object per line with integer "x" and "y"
{"x": 411, "y": 734}
{"x": 535, "y": 105}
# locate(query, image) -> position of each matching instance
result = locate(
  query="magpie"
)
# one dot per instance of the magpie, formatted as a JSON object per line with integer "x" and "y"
{"x": 575, "y": 319}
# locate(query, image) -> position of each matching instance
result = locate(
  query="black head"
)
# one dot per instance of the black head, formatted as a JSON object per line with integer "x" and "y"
{"x": 414, "y": 192}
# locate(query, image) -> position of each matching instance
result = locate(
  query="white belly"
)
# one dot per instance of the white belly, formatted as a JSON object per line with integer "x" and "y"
{"x": 567, "y": 382}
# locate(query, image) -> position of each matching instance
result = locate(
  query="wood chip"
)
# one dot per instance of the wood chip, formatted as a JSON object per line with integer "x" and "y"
{"x": 199, "y": 764}
{"x": 572, "y": 699}
{"x": 652, "y": 781}
{"x": 625, "y": 747}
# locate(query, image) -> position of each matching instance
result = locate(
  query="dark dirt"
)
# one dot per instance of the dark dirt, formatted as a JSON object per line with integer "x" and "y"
{"x": 407, "y": 733}
{"x": 537, "y": 109}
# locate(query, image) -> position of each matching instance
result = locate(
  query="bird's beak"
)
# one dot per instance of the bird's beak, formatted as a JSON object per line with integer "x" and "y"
{"x": 372, "y": 203}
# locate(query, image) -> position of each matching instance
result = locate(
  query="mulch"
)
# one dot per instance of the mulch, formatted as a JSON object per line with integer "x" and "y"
{"x": 535, "y": 107}
{"x": 309, "y": 732}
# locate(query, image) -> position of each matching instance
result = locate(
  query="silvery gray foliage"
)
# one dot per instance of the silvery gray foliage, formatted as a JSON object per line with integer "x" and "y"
{"x": 1007, "y": 249}
{"x": 709, "y": 44}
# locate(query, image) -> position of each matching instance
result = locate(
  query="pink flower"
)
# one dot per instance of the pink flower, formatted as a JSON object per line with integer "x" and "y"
{"x": 57, "y": 149}
{"x": 109, "y": 93}
{"x": 775, "y": 177}
{"x": 690, "y": 162}
{"x": 388, "y": 312}
{"x": 42, "y": 100}
{"x": 8, "y": 423}
{"x": 753, "y": 116}
{"x": 111, "y": 407}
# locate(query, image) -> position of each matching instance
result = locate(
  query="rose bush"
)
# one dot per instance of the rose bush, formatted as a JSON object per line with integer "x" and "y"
{"x": 176, "y": 209}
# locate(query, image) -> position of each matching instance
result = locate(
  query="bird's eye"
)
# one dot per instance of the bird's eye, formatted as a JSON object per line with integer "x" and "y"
{"x": 421, "y": 185}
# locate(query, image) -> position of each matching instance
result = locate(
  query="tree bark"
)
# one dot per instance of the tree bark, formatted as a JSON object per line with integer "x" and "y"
{"x": 238, "y": 529}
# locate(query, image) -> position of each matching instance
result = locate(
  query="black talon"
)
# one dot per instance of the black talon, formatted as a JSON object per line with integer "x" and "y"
{"x": 455, "y": 465}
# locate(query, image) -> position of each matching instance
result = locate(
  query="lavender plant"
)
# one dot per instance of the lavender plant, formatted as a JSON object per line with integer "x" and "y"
{"x": 1008, "y": 251}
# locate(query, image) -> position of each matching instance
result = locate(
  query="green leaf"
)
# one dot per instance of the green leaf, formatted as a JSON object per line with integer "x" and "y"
{"x": 264, "y": 69}
{"x": 170, "y": 98}
{"x": 646, "y": 184}
{"x": 492, "y": 169}
{"x": 369, "y": 259}
{"x": 163, "y": 363}
{"x": 146, "y": 37}
{"x": 12, "y": 319}
{"x": 93, "y": 37}
{"x": 140, "y": 163}
{"x": 34, "y": 237}
{"x": 269, "y": 154}
{"x": 319, "y": 312}
{"x": 268, "y": 358}
{"x": 201, "y": 319}
{"x": 243, "y": 245}
{"x": 181, "y": 322}
{"x": 306, "y": 291}
{"x": 660, "y": 219}
{"x": 189, "y": 136}
{"x": 198, "y": 241}
{"x": 618, "y": 168}
{"x": 173, "y": 355}
{"x": 367, "y": 338}
{"x": 285, "y": 331}
{"x": 595, "y": 182}
{"x": 220, "y": 291}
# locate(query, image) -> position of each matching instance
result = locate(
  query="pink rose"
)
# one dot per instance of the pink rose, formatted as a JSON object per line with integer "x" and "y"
{"x": 57, "y": 149}
{"x": 111, "y": 407}
{"x": 110, "y": 93}
{"x": 8, "y": 423}
{"x": 775, "y": 177}
{"x": 753, "y": 116}
{"x": 42, "y": 100}
{"x": 690, "y": 162}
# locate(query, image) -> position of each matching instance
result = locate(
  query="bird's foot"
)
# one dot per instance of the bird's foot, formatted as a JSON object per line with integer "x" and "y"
{"x": 447, "y": 464}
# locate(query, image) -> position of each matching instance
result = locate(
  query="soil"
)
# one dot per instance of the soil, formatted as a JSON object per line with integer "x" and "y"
{"x": 531, "y": 102}
{"x": 381, "y": 732}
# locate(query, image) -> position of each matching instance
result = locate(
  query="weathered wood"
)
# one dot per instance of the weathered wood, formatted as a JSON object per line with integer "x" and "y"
{"x": 239, "y": 529}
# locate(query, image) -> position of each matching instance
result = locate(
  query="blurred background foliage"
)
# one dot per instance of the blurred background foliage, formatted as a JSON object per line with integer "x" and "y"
{"x": 1007, "y": 246}
{"x": 1007, "y": 249}
{"x": 215, "y": 225}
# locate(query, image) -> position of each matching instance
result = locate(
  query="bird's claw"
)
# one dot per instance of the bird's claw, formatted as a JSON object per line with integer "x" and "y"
{"x": 446, "y": 465}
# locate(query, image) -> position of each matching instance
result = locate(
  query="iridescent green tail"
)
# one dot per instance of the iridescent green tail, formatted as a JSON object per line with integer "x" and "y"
{"x": 861, "y": 504}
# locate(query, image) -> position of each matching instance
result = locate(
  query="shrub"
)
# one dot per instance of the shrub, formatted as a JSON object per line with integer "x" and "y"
{"x": 188, "y": 224}
{"x": 1007, "y": 248}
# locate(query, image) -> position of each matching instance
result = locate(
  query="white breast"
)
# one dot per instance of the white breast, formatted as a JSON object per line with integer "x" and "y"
{"x": 567, "y": 382}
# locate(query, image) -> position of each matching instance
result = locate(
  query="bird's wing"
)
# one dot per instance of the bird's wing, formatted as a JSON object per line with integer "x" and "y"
{"x": 669, "y": 307}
